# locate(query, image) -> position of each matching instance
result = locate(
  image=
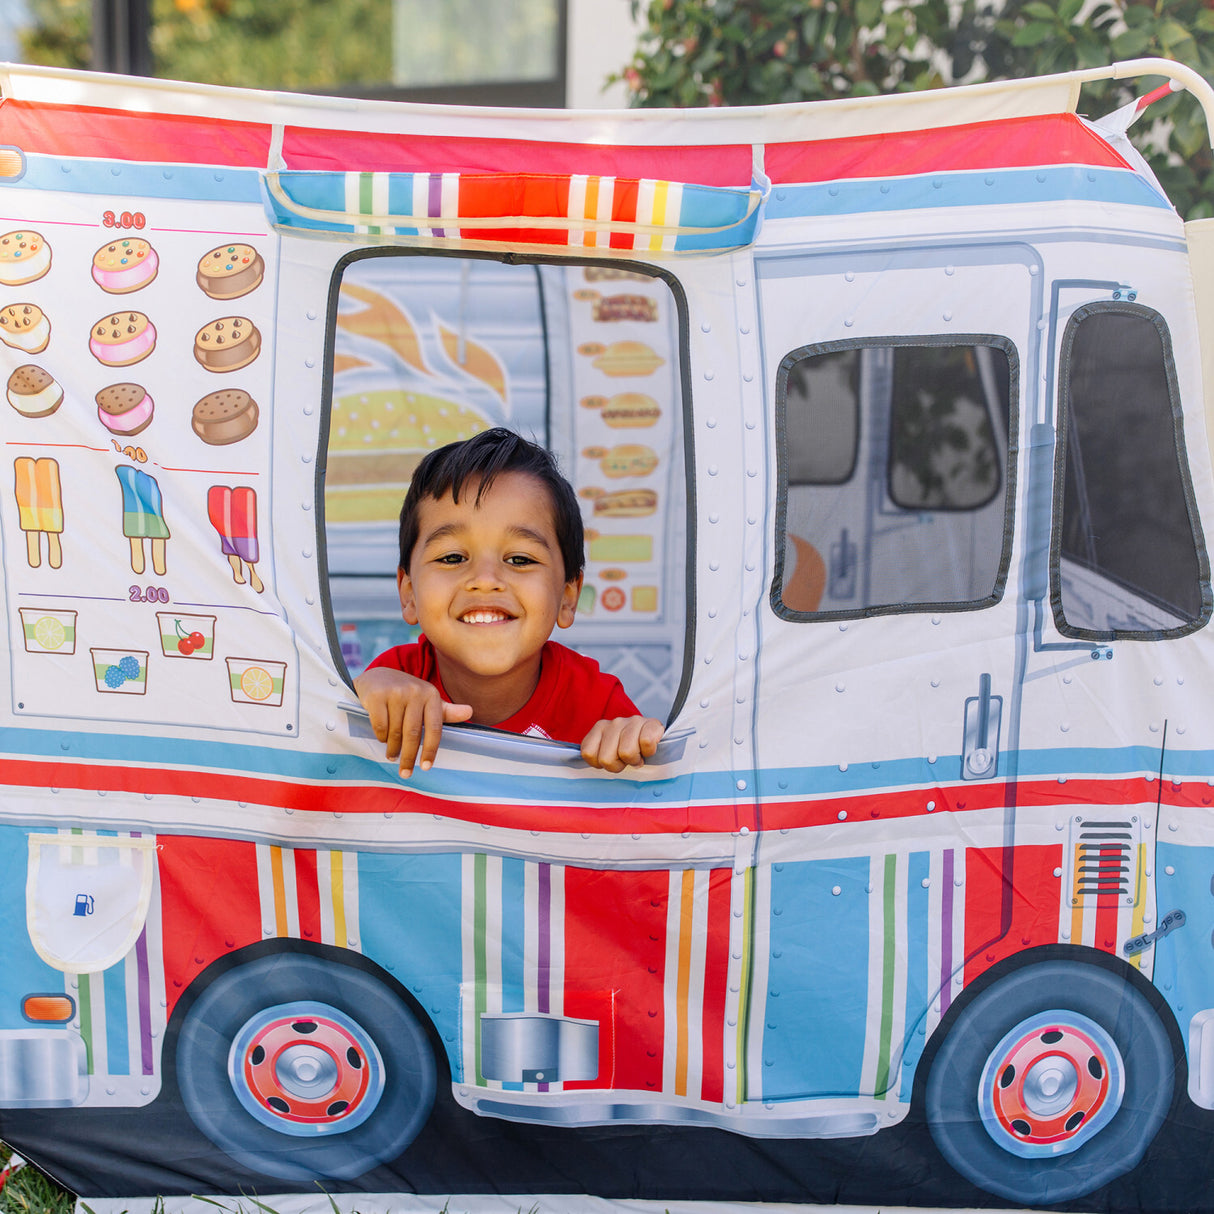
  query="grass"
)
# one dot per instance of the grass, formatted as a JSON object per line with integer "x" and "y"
{"x": 29, "y": 1191}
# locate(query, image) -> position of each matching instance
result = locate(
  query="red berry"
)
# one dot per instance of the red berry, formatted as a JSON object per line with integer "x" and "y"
{"x": 185, "y": 646}
{"x": 197, "y": 640}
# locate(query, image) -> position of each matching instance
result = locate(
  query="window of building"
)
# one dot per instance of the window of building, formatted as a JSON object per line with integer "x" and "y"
{"x": 893, "y": 487}
{"x": 1129, "y": 555}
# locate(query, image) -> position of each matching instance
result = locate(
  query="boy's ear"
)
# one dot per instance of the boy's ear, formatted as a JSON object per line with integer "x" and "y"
{"x": 404, "y": 587}
{"x": 569, "y": 598}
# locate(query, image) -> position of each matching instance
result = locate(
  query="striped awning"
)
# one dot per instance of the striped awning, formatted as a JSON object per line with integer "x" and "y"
{"x": 570, "y": 210}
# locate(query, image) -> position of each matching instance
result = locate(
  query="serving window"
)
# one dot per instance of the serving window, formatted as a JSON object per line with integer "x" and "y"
{"x": 1129, "y": 559}
{"x": 427, "y": 349}
{"x": 894, "y": 481}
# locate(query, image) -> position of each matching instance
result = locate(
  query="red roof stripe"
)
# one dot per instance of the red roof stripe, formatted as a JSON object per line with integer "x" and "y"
{"x": 1006, "y": 143}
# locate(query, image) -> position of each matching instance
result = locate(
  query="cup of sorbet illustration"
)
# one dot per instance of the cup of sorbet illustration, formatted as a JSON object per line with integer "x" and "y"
{"x": 121, "y": 671}
{"x": 256, "y": 681}
{"x": 48, "y": 630}
{"x": 183, "y": 635}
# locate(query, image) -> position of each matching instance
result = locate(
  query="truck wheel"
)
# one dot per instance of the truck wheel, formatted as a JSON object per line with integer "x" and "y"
{"x": 1050, "y": 1083}
{"x": 304, "y": 1069}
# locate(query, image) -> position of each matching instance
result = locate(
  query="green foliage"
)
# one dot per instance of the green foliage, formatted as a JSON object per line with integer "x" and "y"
{"x": 753, "y": 52}
{"x": 58, "y": 33}
{"x": 30, "y": 1191}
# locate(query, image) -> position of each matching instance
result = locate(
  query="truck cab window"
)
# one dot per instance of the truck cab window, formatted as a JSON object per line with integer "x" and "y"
{"x": 893, "y": 476}
{"x": 427, "y": 349}
{"x": 1129, "y": 554}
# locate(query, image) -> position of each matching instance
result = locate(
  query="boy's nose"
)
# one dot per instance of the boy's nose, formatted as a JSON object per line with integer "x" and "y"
{"x": 484, "y": 573}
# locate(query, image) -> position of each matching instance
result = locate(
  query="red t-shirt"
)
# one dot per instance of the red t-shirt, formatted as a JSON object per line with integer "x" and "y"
{"x": 572, "y": 694}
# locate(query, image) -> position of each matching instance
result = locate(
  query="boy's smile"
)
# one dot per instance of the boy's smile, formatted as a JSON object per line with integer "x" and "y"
{"x": 486, "y": 582}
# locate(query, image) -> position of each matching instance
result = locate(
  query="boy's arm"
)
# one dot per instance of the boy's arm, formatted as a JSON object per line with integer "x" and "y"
{"x": 622, "y": 742}
{"x": 407, "y": 713}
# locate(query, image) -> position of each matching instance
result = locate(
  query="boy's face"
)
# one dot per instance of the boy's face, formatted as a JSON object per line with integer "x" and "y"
{"x": 486, "y": 581}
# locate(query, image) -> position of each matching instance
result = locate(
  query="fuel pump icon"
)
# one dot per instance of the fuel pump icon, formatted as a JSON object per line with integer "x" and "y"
{"x": 84, "y": 905}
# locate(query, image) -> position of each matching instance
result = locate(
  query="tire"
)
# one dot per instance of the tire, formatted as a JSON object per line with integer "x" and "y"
{"x": 305, "y": 1069}
{"x": 1051, "y": 1082}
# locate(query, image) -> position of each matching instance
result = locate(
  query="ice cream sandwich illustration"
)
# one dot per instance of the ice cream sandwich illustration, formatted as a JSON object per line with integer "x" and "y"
{"x": 227, "y": 344}
{"x": 631, "y": 410}
{"x": 24, "y": 257}
{"x": 122, "y": 338}
{"x": 628, "y": 459}
{"x": 125, "y": 265}
{"x": 33, "y": 392}
{"x": 626, "y": 503}
{"x": 628, "y": 358}
{"x": 230, "y": 271}
{"x": 125, "y": 409}
{"x": 233, "y": 513}
{"x": 624, "y": 307}
{"x": 39, "y": 508}
{"x": 224, "y": 417}
{"x": 25, "y": 327}
{"x": 143, "y": 517}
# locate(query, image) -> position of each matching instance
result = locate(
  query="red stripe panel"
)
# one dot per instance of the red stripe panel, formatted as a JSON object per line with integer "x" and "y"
{"x": 1108, "y": 899}
{"x": 307, "y": 893}
{"x": 1028, "y": 877}
{"x": 209, "y": 905}
{"x": 77, "y": 130}
{"x": 716, "y": 977}
{"x": 615, "y": 945}
{"x": 358, "y": 151}
{"x": 1050, "y": 139}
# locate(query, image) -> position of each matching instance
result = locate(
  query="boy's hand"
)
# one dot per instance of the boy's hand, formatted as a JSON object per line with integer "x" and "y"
{"x": 624, "y": 742}
{"x": 407, "y": 713}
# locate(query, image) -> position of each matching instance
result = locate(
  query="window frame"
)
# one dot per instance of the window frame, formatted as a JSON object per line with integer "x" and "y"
{"x": 1180, "y": 450}
{"x": 1009, "y": 475}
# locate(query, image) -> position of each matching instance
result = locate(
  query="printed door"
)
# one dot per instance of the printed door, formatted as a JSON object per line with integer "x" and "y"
{"x": 887, "y": 655}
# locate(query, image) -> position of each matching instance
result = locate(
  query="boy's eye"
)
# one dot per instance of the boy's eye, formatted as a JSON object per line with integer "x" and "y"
{"x": 450, "y": 558}
{"x": 519, "y": 559}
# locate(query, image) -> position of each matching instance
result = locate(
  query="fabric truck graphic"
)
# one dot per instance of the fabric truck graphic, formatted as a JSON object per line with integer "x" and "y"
{"x": 887, "y": 423}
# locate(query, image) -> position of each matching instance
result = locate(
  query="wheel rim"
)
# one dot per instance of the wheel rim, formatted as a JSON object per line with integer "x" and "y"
{"x": 1051, "y": 1084}
{"x": 306, "y": 1069}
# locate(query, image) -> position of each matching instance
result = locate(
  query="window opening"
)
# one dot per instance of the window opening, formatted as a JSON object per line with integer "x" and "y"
{"x": 1130, "y": 557}
{"x": 892, "y": 493}
{"x": 428, "y": 349}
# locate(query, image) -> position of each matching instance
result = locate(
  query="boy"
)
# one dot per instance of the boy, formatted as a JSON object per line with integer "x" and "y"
{"x": 491, "y": 560}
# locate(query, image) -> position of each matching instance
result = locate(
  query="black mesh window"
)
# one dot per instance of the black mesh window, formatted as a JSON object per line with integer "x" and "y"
{"x": 892, "y": 479}
{"x": 1130, "y": 554}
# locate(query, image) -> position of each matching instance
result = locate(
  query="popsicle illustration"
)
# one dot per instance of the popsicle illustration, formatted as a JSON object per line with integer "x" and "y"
{"x": 39, "y": 508}
{"x": 233, "y": 513}
{"x": 143, "y": 517}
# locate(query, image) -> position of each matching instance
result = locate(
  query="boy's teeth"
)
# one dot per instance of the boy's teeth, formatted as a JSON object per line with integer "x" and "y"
{"x": 484, "y": 617}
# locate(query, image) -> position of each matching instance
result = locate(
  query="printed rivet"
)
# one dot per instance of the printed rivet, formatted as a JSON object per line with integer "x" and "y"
{"x": 714, "y": 518}
{"x": 195, "y": 799}
{"x": 311, "y": 315}
{"x": 850, "y": 276}
{"x": 1066, "y": 678}
{"x": 1150, "y": 777}
{"x": 752, "y": 472}
{"x": 958, "y": 881}
{"x": 1180, "y": 680}
{"x": 310, "y": 600}
{"x": 714, "y": 565}
{"x": 1170, "y": 871}
{"x": 737, "y": 915}
{"x": 115, "y": 171}
{"x": 1060, "y": 826}
{"x": 848, "y": 321}
{"x": 842, "y": 627}
{"x": 711, "y": 423}
{"x": 1173, "y": 826}
{"x": 54, "y": 790}
{"x": 1033, "y": 269}
{"x": 1147, "y": 872}
{"x": 704, "y": 703}
{"x": 337, "y": 813}
{"x": 305, "y": 505}
{"x": 842, "y": 815}
{"x": 111, "y": 1091}
{"x": 741, "y": 786}
{"x": 1041, "y": 177}
{"x": 743, "y": 831}
{"x": 1065, "y": 726}
{"x": 747, "y": 377}
{"x": 836, "y": 890}
{"x": 751, "y": 520}
{"x": 937, "y": 183}
{"x": 833, "y": 191}
{"x": 703, "y": 743}
{"x": 305, "y": 458}
{"x": 306, "y": 553}
{"x": 712, "y": 469}
{"x": 712, "y": 613}
{"x": 935, "y": 619}
{"x": 1057, "y": 872}
{"x": 705, "y": 327}
{"x": 1180, "y": 729}
{"x": 931, "y": 758}
{"x": 935, "y": 682}
{"x": 842, "y": 766}
{"x": 101, "y": 792}
{"x": 739, "y": 741}
{"x": 950, "y": 270}
{"x": 330, "y": 725}
{"x": 708, "y": 659}
{"x": 1062, "y": 779}
{"x": 585, "y": 835}
{"x": 931, "y": 805}
{"x": 840, "y": 687}
{"x": 741, "y": 282}
{"x": 1158, "y": 680}
{"x": 307, "y": 410}
{"x": 948, "y": 316}
{"x": 709, "y": 375}
{"x": 750, "y": 566}
{"x": 1154, "y": 727}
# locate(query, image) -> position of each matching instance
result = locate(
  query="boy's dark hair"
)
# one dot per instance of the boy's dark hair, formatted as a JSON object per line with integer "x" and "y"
{"x": 483, "y": 456}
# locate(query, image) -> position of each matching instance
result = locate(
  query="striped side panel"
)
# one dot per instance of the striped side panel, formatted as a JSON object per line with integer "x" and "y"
{"x": 309, "y": 895}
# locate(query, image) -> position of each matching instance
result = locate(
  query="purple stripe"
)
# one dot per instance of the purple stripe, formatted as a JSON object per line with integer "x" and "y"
{"x": 145, "y": 1002}
{"x": 435, "y": 199}
{"x": 543, "y": 977}
{"x": 946, "y": 934}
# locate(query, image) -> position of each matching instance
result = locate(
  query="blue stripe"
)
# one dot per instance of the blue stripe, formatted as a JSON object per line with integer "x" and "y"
{"x": 919, "y": 869}
{"x": 817, "y": 979}
{"x": 117, "y": 1045}
{"x": 513, "y": 938}
{"x": 968, "y": 189}
{"x": 122, "y": 180}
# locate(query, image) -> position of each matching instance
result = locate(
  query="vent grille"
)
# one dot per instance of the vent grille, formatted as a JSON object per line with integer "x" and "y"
{"x": 1103, "y": 857}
